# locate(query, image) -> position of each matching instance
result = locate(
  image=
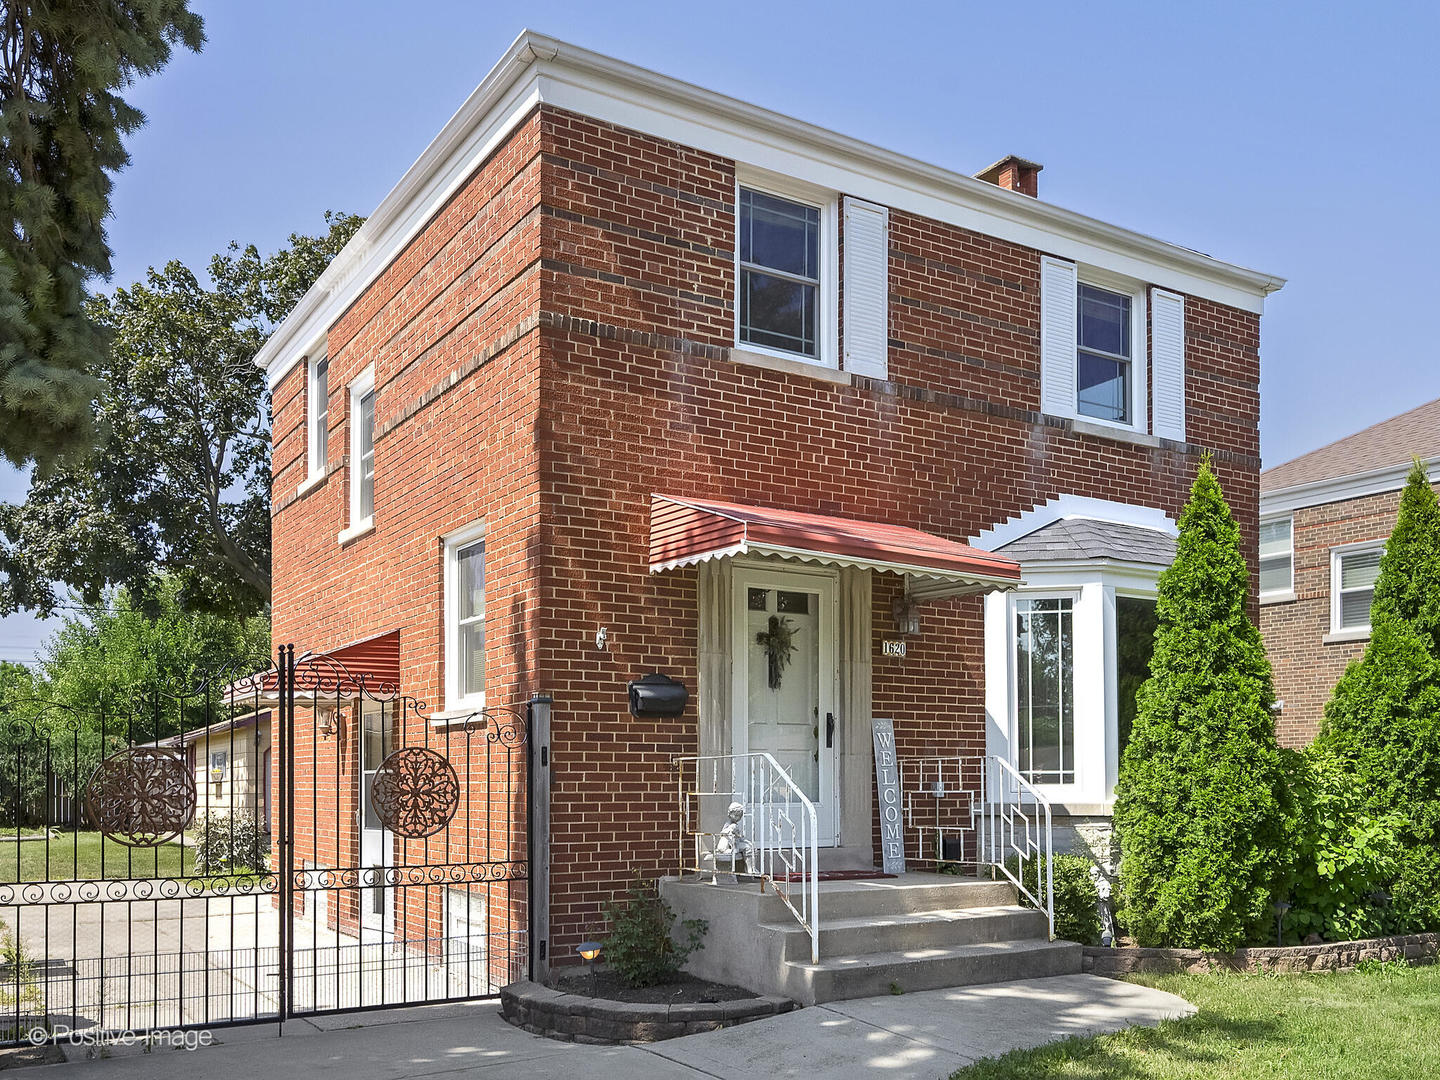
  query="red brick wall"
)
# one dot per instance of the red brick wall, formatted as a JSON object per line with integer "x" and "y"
{"x": 638, "y": 396}
{"x": 596, "y": 265}
{"x": 1306, "y": 666}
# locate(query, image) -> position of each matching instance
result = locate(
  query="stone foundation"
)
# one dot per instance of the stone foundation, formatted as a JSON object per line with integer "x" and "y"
{"x": 1331, "y": 956}
{"x": 573, "y": 1018}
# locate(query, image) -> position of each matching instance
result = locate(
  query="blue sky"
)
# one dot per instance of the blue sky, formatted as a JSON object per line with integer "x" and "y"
{"x": 1292, "y": 138}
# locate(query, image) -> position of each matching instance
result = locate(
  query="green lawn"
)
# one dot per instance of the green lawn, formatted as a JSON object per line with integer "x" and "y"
{"x": 1379, "y": 1023}
{"x": 119, "y": 860}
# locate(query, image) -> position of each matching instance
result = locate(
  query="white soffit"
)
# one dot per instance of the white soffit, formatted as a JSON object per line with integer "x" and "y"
{"x": 1339, "y": 488}
{"x": 540, "y": 69}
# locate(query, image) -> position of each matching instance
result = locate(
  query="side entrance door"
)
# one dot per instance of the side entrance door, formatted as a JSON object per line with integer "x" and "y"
{"x": 785, "y": 673}
{"x": 377, "y": 844}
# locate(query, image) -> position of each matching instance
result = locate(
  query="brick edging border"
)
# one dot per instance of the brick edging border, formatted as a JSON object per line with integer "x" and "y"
{"x": 1331, "y": 956}
{"x": 573, "y": 1018}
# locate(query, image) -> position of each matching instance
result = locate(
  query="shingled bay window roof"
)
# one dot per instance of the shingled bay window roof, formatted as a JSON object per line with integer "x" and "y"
{"x": 685, "y": 531}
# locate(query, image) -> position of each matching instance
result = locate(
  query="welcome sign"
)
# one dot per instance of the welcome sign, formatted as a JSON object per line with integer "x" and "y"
{"x": 887, "y": 783}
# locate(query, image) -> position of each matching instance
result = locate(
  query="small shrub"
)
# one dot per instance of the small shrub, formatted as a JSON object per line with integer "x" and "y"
{"x": 641, "y": 945}
{"x": 1077, "y": 918}
{"x": 230, "y": 844}
{"x": 1344, "y": 855}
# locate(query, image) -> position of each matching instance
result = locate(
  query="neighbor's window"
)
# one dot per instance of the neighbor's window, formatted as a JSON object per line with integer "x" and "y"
{"x": 319, "y": 408}
{"x": 779, "y": 282}
{"x": 1277, "y": 556}
{"x": 465, "y": 605}
{"x": 1103, "y": 371}
{"x": 1353, "y": 573}
{"x": 1044, "y": 690}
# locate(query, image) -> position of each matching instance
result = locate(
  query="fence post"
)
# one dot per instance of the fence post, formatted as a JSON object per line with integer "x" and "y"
{"x": 538, "y": 836}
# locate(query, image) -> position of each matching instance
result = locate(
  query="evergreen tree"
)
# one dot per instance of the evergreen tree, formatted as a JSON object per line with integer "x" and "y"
{"x": 1201, "y": 800}
{"x": 1383, "y": 721}
{"x": 62, "y": 126}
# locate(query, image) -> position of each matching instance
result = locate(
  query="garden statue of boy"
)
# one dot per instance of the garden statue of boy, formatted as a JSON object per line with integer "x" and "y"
{"x": 732, "y": 847}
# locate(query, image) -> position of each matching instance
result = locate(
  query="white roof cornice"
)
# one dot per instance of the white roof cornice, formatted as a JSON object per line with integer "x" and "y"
{"x": 1339, "y": 488}
{"x": 539, "y": 69}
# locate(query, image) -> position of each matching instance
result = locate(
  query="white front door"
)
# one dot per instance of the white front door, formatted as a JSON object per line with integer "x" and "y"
{"x": 377, "y": 843}
{"x": 786, "y": 672}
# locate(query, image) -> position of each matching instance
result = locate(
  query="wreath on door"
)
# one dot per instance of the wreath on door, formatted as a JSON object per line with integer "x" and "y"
{"x": 778, "y": 641}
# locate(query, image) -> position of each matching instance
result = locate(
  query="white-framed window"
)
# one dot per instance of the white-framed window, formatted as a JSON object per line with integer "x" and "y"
{"x": 1277, "y": 558}
{"x": 1354, "y": 569}
{"x": 318, "y": 418}
{"x": 786, "y": 270}
{"x": 362, "y": 450}
{"x": 1094, "y": 362}
{"x": 1044, "y": 666}
{"x": 465, "y": 619}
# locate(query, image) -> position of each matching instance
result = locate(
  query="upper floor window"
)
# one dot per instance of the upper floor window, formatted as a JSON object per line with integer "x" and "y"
{"x": 1353, "y": 572}
{"x": 1104, "y": 356}
{"x": 319, "y": 414}
{"x": 362, "y": 450}
{"x": 1277, "y": 557}
{"x": 465, "y": 619}
{"x": 779, "y": 286}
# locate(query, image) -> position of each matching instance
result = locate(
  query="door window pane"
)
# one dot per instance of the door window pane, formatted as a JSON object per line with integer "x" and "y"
{"x": 1045, "y": 677}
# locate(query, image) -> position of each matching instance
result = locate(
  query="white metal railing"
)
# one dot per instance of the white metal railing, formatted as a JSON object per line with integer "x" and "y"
{"x": 775, "y": 839}
{"x": 982, "y": 811}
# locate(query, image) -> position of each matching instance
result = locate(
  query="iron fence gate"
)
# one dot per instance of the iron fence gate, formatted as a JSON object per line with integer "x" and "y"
{"x": 260, "y": 845}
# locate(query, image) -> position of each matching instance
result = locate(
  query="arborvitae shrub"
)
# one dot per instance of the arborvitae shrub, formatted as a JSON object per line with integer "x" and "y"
{"x": 1201, "y": 799}
{"x": 1383, "y": 721}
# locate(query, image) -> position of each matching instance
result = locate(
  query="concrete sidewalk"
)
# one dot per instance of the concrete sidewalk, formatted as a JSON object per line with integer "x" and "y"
{"x": 924, "y": 1035}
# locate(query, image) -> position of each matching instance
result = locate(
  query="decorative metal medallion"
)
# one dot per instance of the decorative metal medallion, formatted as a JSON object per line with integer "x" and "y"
{"x": 141, "y": 797}
{"x": 415, "y": 792}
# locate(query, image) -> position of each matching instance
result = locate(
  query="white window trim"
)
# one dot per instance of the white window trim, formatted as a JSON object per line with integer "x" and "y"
{"x": 1097, "y": 720}
{"x": 1338, "y": 632}
{"x": 361, "y": 385}
{"x": 827, "y": 317}
{"x": 454, "y": 702}
{"x": 1276, "y": 596}
{"x": 317, "y": 466}
{"x": 1138, "y": 292}
{"x": 1011, "y": 613}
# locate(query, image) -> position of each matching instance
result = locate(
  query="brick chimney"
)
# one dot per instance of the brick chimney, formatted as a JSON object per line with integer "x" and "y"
{"x": 1014, "y": 174}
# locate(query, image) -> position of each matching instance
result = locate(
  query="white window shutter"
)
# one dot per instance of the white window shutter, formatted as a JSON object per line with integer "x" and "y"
{"x": 1057, "y": 336}
{"x": 1167, "y": 363}
{"x": 867, "y": 288}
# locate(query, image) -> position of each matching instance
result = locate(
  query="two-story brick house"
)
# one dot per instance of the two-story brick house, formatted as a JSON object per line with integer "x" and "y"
{"x": 624, "y": 372}
{"x": 1324, "y": 520}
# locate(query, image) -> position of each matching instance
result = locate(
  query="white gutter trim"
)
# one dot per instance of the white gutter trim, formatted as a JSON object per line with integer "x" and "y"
{"x": 1340, "y": 488}
{"x": 538, "y": 68}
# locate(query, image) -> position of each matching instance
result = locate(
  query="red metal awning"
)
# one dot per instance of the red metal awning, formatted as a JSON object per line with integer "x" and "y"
{"x": 686, "y": 531}
{"x": 372, "y": 663}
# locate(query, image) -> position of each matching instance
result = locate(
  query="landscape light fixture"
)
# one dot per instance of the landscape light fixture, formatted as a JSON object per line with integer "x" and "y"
{"x": 589, "y": 951}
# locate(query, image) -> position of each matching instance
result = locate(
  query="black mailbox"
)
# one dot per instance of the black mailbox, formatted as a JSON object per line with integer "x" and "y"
{"x": 658, "y": 695}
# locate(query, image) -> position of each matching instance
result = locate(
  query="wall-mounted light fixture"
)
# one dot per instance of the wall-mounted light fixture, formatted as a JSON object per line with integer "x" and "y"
{"x": 325, "y": 721}
{"x": 907, "y": 615}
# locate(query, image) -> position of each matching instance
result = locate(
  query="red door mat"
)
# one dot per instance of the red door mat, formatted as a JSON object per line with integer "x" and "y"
{"x": 836, "y": 875}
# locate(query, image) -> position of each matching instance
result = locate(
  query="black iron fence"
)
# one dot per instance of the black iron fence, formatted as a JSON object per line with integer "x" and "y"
{"x": 271, "y": 841}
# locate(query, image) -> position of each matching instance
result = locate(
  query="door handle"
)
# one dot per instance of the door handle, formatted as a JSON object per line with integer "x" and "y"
{"x": 829, "y": 730}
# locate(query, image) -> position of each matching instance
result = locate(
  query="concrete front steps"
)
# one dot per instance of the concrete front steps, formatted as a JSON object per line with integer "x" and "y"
{"x": 888, "y": 935}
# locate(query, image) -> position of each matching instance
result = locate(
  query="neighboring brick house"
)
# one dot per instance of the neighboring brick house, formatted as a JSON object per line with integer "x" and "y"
{"x": 1325, "y": 517}
{"x": 836, "y": 379}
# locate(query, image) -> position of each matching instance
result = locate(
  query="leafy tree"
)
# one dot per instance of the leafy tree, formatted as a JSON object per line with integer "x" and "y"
{"x": 1201, "y": 799}
{"x": 178, "y": 481}
{"x": 1383, "y": 720}
{"x": 22, "y": 785}
{"x": 62, "y": 125}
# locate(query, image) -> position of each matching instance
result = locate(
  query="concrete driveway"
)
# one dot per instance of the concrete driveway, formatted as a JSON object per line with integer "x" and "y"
{"x": 923, "y": 1035}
